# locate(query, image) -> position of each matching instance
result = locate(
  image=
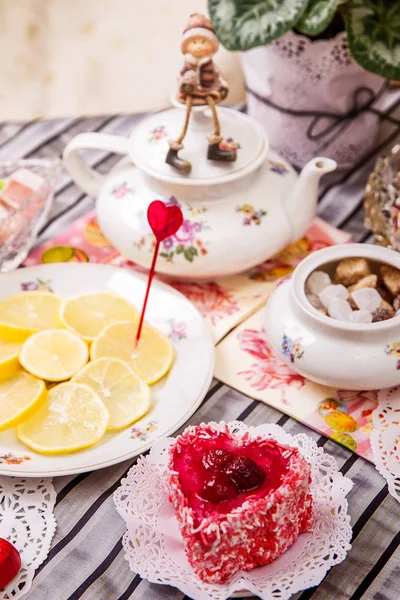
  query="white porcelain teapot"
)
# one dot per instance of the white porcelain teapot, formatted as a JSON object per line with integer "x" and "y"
{"x": 236, "y": 214}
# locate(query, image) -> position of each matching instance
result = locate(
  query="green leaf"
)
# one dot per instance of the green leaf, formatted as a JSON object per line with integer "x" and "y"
{"x": 180, "y": 249}
{"x": 373, "y": 32}
{"x": 317, "y": 16}
{"x": 168, "y": 257}
{"x": 245, "y": 24}
{"x": 188, "y": 255}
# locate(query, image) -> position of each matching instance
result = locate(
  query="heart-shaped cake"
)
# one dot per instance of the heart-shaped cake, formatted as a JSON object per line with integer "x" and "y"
{"x": 240, "y": 501}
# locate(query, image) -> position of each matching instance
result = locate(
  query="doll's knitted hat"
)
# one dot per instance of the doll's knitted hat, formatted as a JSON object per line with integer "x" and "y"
{"x": 199, "y": 25}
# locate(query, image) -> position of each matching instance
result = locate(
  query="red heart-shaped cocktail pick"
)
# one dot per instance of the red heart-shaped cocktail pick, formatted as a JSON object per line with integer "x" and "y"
{"x": 164, "y": 221}
{"x": 10, "y": 562}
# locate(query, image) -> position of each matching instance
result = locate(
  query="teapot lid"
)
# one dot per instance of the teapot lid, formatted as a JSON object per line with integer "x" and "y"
{"x": 149, "y": 145}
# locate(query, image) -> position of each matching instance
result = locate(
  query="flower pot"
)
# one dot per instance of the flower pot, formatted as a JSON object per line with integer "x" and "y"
{"x": 294, "y": 84}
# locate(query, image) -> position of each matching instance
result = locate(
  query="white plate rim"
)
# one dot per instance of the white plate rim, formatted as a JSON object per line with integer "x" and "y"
{"x": 146, "y": 446}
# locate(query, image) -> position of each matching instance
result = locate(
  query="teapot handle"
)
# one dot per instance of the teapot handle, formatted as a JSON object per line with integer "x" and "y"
{"x": 88, "y": 179}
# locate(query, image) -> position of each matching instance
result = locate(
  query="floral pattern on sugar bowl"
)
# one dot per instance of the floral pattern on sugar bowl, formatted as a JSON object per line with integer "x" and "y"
{"x": 292, "y": 348}
{"x": 187, "y": 242}
{"x": 251, "y": 215}
{"x": 393, "y": 349}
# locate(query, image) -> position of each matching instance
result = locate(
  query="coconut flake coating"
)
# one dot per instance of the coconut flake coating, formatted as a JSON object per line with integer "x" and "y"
{"x": 251, "y": 529}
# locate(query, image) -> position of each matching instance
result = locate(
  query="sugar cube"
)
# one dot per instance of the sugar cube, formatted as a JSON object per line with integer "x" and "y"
{"x": 360, "y": 316}
{"x": 370, "y": 281}
{"x": 351, "y": 270}
{"x": 317, "y": 281}
{"x": 367, "y": 298}
{"x": 314, "y": 301}
{"x": 333, "y": 291}
{"x": 391, "y": 278}
{"x": 339, "y": 309}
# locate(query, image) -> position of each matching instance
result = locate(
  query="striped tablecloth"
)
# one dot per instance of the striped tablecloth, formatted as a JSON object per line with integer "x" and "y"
{"x": 87, "y": 560}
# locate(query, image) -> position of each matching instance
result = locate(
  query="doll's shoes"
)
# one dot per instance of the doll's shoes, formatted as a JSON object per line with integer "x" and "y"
{"x": 180, "y": 164}
{"x": 215, "y": 153}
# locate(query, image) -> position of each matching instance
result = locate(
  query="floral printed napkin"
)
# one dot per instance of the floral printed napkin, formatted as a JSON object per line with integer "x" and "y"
{"x": 245, "y": 361}
{"x": 224, "y": 303}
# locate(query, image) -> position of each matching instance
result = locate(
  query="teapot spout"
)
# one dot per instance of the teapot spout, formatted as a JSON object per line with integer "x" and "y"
{"x": 300, "y": 204}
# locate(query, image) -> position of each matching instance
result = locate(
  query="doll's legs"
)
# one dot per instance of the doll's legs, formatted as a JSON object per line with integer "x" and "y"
{"x": 214, "y": 151}
{"x": 174, "y": 146}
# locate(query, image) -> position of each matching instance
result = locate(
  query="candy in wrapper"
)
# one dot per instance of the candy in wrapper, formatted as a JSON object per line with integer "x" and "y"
{"x": 20, "y": 187}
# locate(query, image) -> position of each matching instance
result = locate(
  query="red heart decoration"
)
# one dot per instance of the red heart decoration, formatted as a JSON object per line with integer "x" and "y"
{"x": 164, "y": 220}
{"x": 10, "y": 562}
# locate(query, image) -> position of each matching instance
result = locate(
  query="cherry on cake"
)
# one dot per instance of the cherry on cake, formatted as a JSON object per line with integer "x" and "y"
{"x": 240, "y": 502}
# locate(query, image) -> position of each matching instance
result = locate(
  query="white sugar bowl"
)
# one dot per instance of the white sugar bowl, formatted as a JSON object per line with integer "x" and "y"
{"x": 342, "y": 355}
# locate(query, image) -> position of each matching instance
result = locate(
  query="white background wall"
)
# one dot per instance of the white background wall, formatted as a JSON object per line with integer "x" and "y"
{"x": 78, "y": 57}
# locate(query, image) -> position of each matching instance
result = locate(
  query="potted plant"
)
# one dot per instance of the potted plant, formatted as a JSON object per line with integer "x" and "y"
{"x": 314, "y": 69}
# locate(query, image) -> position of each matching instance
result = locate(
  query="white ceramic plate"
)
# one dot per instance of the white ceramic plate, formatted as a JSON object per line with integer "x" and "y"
{"x": 175, "y": 398}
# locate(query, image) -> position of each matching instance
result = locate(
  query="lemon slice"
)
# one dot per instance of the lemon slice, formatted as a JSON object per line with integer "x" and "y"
{"x": 9, "y": 363}
{"x": 152, "y": 358}
{"x": 125, "y": 395}
{"x": 28, "y": 312}
{"x": 54, "y": 354}
{"x": 88, "y": 314}
{"x": 19, "y": 397}
{"x": 73, "y": 418}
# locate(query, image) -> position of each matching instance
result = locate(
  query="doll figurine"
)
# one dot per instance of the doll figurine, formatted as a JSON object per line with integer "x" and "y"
{"x": 200, "y": 84}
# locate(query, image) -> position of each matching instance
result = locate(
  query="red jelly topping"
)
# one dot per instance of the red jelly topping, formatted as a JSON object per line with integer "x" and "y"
{"x": 244, "y": 465}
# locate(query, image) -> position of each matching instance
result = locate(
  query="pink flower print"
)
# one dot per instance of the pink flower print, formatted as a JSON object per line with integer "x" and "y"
{"x": 268, "y": 370}
{"x": 158, "y": 133}
{"x": 186, "y": 234}
{"x": 178, "y": 331}
{"x": 121, "y": 190}
{"x": 212, "y": 300}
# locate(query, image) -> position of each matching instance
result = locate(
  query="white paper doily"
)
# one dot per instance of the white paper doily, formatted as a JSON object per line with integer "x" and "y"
{"x": 28, "y": 522}
{"x": 385, "y": 438}
{"x": 155, "y": 551}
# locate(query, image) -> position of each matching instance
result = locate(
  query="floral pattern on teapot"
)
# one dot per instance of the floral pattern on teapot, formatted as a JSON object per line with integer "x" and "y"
{"x": 121, "y": 190}
{"x": 157, "y": 134}
{"x": 251, "y": 215}
{"x": 278, "y": 167}
{"x": 229, "y": 144}
{"x": 186, "y": 242}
